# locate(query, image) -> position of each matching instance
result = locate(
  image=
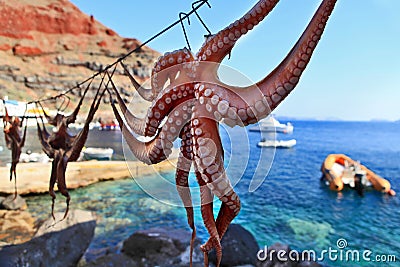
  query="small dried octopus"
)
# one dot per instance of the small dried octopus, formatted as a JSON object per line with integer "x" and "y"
{"x": 188, "y": 100}
{"x": 14, "y": 142}
{"x": 63, "y": 147}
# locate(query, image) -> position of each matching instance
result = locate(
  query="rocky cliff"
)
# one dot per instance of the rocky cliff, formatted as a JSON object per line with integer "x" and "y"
{"x": 48, "y": 46}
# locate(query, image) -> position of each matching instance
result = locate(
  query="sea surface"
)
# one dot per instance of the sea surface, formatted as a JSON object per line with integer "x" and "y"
{"x": 290, "y": 206}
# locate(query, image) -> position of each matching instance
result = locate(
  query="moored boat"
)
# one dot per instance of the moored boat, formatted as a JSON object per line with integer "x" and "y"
{"x": 270, "y": 124}
{"x": 277, "y": 143}
{"x": 34, "y": 157}
{"x": 98, "y": 153}
{"x": 340, "y": 171}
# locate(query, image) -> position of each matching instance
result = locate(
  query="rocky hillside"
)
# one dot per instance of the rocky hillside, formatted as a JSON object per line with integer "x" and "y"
{"x": 48, "y": 46}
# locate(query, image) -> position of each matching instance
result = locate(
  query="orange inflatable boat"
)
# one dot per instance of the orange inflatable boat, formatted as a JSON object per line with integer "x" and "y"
{"x": 340, "y": 170}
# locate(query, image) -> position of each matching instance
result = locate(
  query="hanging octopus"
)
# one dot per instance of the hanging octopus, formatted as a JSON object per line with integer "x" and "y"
{"x": 14, "y": 142}
{"x": 63, "y": 147}
{"x": 188, "y": 100}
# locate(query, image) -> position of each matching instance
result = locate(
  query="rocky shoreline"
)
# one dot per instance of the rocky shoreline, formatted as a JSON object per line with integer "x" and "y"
{"x": 26, "y": 241}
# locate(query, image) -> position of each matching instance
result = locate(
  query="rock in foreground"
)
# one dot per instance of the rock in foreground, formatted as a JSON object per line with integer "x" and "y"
{"x": 171, "y": 247}
{"x": 113, "y": 260}
{"x": 239, "y": 247}
{"x": 13, "y": 202}
{"x": 56, "y": 243}
{"x": 161, "y": 247}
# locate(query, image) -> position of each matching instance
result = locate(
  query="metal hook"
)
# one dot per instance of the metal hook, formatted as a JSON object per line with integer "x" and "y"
{"x": 194, "y": 8}
{"x": 62, "y": 103}
{"x": 66, "y": 105}
{"x": 183, "y": 26}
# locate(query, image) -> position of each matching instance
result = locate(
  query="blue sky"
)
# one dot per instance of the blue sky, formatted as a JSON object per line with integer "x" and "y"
{"x": 353, "y": 73}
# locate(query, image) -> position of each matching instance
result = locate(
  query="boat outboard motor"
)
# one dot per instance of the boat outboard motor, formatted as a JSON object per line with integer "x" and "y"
{"x": 358, "y": 184}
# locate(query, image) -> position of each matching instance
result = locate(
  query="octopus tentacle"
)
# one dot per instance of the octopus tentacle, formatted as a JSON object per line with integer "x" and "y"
{"x": 206, "y": 198}
{"x": 138, "y": 148}
{"x": 163, "y": 99}
{"x": 208, "y": 155}
{"x": 145, "y": 93}
{"x": 159, "y": 148}
{"x": 208, "y": 160}
{"x": 53, "y": 180}
{"x": 246, "y": 105}
{"x": 22, "y": 143}
{"x": 6, "y": 118}
{"x": 61, "y": 183}
{"x": 164, "y": 104}
{"x": 43, "y": 135}
{"x": 50, "y": 120}
{"x": 16, "y": 149}
{"x": 160, "y": 108}
{"x": 182, "y": 184}
{"x": 72, "y": 117}
{"x": 79, "y": 140}
{"x": 135, "y": 123}
{"x": 233, "y": 107}
{"x": 219, "y": 45}
{"x": 286, "y": 75}
{"x": 164, "y": 68}
{"x": 8, "y": 140}
{"x": 15, "y": 152}
{"x": 161, "y": 72}
{"x": 230, "y": 208}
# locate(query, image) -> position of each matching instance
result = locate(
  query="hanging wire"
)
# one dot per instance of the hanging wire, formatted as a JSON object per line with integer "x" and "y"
{"x": 195, "y": 6}
{"x": 183, "y": 27}
{"x": 199, "y": 18}
{"x": 181, "y": 18}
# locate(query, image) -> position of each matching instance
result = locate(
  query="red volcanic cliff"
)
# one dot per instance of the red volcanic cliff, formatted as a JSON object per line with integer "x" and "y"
{"x": 18, "y": 18}
{"x": 36, "y": 26}
{"x": 47, "y": 46}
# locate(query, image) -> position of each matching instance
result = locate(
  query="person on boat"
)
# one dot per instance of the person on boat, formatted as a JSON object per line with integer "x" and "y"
{"x": 358, "y": 185}
{"x": 392, "y": 192}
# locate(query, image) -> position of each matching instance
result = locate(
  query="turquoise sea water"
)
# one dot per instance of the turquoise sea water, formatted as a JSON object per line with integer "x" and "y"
{"x": 291, "y": 206}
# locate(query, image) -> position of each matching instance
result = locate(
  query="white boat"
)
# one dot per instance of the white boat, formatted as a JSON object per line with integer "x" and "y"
{"x": 98, "y": 153}
{"x": 270, "y": 124}
{"x": 33, "y": 157}
{"x": 277, "y": 143}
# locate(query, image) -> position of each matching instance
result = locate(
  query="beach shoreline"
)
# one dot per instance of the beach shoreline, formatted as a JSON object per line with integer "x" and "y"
{"x": 33, "y": 178}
